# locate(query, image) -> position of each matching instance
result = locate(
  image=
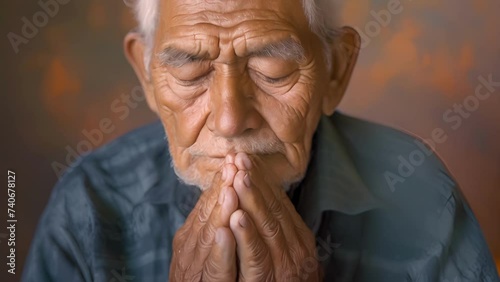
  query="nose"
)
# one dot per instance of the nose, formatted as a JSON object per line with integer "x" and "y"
{"x": 232, "y": 107}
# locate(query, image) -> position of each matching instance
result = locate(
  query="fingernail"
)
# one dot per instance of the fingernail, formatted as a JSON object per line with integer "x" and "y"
{"x": 222, "y": 196}
{"x": 246, "y": 180}
{"x": 243, "y": 221}
{"x": 247, "y": 162}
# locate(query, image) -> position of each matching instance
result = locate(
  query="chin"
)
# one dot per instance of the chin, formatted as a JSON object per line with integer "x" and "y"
{"x": 288, "y": 184}
{"x": 203, "y": 178}
{"x": 200, "y": 172}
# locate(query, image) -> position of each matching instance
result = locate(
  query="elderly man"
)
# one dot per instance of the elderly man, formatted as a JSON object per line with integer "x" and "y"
{"x": 266, "y": 183}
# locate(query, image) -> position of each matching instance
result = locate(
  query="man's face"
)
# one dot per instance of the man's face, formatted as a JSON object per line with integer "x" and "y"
{"x": 237, "y": 76}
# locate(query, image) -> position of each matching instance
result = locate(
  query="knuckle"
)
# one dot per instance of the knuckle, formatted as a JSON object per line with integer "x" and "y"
{"x": 269, "y": 277}
{"x": 258, "y": 269}
{"x": 205, "y": 238}
{"x": 178, "y": 269}
{"x": 275, "y": 208}
{"x": 264, "y": 276}
{"x": 203, "y": 211}
{"x": 183, "y": 240}
{"x": 213, "y": 271}
{"x": 256, "y": 248}
{"x": 203, "y": 215}
{"x": 193, "y": 276}
{"x": 260, "y": 264}
{"x": 178, "y": 239}
{"x": 260, "y": 256}
{"x": 270, "y": 228}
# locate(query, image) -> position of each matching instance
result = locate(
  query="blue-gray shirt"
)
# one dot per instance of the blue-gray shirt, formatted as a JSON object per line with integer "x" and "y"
{"x": 382, "y": 206}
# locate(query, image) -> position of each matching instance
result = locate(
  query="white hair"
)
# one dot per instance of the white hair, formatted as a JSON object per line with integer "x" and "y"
{"x": 322, "y": 16}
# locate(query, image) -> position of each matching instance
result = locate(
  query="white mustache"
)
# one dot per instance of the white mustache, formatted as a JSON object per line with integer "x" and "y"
{"x": 250, "y": 145}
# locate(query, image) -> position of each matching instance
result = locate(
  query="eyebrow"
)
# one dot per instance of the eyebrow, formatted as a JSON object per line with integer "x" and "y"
{"x": 175, "y": 57}
{"x": 287, "y": 49}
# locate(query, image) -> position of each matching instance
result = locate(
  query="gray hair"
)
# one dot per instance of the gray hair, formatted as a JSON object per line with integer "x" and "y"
{"x": 322, "y": 16}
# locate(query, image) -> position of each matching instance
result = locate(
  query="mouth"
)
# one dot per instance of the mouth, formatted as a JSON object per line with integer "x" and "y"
{"x": 210, "y": 155}
{"x": 221, "y": 153}
{"x": 224, "y": 155}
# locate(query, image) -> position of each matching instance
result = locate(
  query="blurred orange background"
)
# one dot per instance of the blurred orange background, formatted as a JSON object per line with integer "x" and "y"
{"x": 418, "y": 60}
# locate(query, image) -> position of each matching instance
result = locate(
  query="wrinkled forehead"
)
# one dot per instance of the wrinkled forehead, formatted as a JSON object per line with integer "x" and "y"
{"x": 229, "y": 13}
{"x": 239, "y": 26}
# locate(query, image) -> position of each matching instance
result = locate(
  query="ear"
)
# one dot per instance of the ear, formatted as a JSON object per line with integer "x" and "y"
{"x": 344, "y": 52}
{"x": 134, "y": 48}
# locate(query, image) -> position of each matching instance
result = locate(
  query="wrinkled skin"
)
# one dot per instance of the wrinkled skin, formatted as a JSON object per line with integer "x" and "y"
{"x": 271, "y": 240}
{"x": 239, "y": 122}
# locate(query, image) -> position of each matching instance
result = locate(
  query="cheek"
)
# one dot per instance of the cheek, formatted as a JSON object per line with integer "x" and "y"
{"x": 183, "y": 118}
{"x": 292, "y": 116}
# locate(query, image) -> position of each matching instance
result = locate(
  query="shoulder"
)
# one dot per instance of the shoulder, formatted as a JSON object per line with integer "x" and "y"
{"x": 99, "y": 204}
{"x": 115, "y": 177}
{"x": 404, "y": 174}
{"x": 392, "y": 160}
{"x": 424, "y": 226}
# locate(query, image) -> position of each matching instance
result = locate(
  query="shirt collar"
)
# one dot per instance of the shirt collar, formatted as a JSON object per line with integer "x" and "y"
{"x": 168, "y": 188}
{"x": 332, "y": 182}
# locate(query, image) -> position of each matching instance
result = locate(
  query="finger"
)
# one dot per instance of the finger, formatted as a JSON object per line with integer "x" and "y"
{"x": 267, "y": 217}
{"x": 297, "y": 236}
{"x": 197, "y": 238}
{"x": 229, "y": 170}
{"x": 209, "y": 198}
{"x": 228, "y": 203}
{"x": 221, "y": 263}
{"x": 255, "y": 262}
{"x": 185, "y": 241}
{"x": 263, "y": 206}
{"x": 276, "y": 199}
{"x": 230, "y": 158}
{"x": 252, "y": 166}
{"x": 185, "y": 237}
{"x": 207, "y": 201}
{"x": 242, "y": 161}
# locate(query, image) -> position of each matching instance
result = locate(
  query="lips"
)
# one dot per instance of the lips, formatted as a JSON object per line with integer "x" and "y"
{"x": 223, "y": 155}
{"x": 220, "y": 149}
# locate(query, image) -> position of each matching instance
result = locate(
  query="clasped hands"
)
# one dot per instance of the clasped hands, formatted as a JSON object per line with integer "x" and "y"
{"x": 244, "y": 228}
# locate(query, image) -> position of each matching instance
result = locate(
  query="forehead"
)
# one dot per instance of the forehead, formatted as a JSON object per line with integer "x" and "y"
{"x": 211, "y": 20}
{"x": 170, "y": 9}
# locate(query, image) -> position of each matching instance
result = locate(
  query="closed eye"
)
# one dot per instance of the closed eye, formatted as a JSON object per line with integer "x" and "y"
{"x": 191, "y": 82}
{"x": 275, "y": 80}
{"x": 272, "y": 80}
